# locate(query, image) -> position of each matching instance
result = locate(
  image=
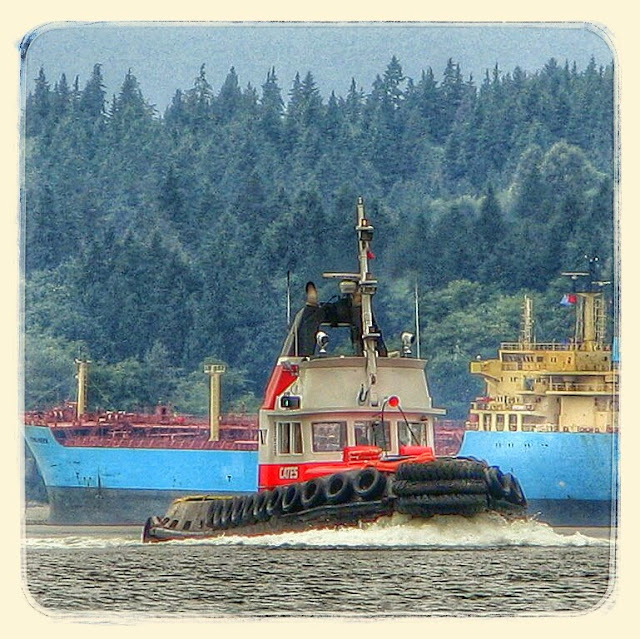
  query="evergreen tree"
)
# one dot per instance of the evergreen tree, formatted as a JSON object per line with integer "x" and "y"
{"x": 272, "y": 107}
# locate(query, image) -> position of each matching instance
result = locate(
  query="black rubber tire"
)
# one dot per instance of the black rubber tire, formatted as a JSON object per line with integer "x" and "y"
{"x": 236, "y": 511}
{"x": 493, "y": 478}
{"x": 403, "y": 487}
{"x": 260, "y": 506}
{"x": 338, "y": 488}
{"x": 208, "y": 522}
{"x": 369, "y": 483}
{"x": 216, "y": 516}
{"x": 312, "y": 494}
{"x": 429, "y": 505}
{"x": 274, "y": 503}
{"x": 247, "y": 517}
{"x": 225, "y": 514}
{"x": 448, "y": 468}
{"x": 513, "y": 492}
{"x": 291, "y": 499}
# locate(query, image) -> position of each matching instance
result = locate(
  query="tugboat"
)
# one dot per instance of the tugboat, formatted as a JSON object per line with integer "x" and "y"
{"x": 344, "y": 439}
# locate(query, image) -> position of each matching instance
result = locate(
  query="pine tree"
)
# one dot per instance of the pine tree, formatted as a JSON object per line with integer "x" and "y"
{"x": 228, "y": 101}
{"x": 271, "y": 107}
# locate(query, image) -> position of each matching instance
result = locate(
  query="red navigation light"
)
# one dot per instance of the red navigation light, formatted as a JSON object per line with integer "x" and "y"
{"x": 393, "y": 401}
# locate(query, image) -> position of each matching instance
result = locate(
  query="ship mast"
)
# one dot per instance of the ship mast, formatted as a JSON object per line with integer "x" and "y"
{"x": 367, "y": 286}
{"x": 590, "y": 313}
{"x": 526, "y": 330}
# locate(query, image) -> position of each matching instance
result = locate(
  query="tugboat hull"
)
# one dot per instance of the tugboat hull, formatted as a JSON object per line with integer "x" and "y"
{"x": 442, "y": 487}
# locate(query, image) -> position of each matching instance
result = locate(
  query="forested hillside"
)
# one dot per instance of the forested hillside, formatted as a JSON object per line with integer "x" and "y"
{"x": 155, "y": 242}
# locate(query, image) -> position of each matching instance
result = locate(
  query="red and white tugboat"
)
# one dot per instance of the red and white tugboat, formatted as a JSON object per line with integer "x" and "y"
{"x": 344, "y": 438}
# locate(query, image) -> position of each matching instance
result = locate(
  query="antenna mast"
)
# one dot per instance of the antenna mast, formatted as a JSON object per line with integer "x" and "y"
{"x": 417, "y": 320}
{"x": 526, "y": 331}
{"x": 368, "y": 287}
{"x": 288, "y": 299}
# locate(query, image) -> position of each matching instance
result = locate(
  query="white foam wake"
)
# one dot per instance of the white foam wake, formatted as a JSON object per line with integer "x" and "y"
{"x": 482, "y": 531}
{"x": 81, "y": 541}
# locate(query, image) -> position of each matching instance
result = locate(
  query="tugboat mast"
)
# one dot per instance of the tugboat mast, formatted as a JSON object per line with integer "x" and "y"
{"x": 367, "y": 286}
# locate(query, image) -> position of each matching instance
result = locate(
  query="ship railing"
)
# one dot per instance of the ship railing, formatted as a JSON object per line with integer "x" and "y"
{"x": 546, "y": 346}
{"x": 576, "y": 387}
{"x": 501, "y": 406}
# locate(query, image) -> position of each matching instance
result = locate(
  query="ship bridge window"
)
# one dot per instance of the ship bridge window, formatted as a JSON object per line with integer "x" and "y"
{"x": 328, "y": 437}
{"x": 499, "y": 422}
{"x": 373, "y": 433}
{"x": 412, "y": 434}
{"x": 289, "y": 438}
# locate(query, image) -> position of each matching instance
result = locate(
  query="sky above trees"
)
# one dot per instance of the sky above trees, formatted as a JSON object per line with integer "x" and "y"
{"x": 166, "y": 58}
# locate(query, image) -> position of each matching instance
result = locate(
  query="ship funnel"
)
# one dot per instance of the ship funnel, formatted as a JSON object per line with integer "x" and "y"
{"x": 82, "y": 376}
{"x": 215, "y": 372}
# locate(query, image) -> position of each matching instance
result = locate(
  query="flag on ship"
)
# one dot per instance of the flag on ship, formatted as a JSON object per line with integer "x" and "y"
{"x": 569, "y": 299}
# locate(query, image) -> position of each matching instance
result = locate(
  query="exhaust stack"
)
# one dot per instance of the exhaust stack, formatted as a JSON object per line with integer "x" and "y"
{"x": 82, "y": 376}
{"x": 215, "y": 372}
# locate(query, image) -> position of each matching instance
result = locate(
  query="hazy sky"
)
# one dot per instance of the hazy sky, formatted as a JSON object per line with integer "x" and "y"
{"x": 167, "y": 56}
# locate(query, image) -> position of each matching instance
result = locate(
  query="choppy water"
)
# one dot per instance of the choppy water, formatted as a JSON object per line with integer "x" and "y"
{"x": 443, "y": 567}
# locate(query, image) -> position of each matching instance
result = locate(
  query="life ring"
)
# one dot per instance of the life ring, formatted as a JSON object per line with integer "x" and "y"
{"x": 338, "y": 488}
{"x": 291, "y": 498}
{"x": 312, "y": 494}
{"x": 369, "y": 483}
{"x": 403, "y": 487}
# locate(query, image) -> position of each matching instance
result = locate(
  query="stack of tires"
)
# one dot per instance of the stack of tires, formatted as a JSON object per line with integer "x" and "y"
{"x": 443, "y": 487}
{"x": 455, "y": 486}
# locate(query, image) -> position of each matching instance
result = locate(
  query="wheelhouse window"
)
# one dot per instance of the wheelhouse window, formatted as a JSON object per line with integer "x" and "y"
{"x": 373, "y": 433}
{"x": 289, "y": 438}
{"x": 328, "y": 437}
{"x": 412, "y": 434}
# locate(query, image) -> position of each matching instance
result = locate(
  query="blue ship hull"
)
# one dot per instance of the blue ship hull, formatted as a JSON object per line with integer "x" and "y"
{"x": 99, "y": 485}
{"x": 569, "y": 479}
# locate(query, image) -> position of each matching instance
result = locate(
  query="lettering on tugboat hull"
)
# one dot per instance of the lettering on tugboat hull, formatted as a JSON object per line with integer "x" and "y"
{"x": 288, "y": 472}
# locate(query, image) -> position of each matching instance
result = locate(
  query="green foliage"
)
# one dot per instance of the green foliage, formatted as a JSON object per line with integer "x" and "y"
{"x": 49, "y": 370}
{"x": 150, "y": 241}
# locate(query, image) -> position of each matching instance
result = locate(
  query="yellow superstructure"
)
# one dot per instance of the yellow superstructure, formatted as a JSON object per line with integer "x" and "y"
{"x": 551, "y": 387}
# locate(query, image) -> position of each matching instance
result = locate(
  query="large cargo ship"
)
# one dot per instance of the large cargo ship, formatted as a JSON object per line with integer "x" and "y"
{"x": 550, "y": 414}
{"x": 109, "y": 468}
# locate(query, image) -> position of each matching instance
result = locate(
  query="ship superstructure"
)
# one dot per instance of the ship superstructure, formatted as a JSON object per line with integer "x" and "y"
{"x": 319, "y": 403}
{"x": 550, "y": 412}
